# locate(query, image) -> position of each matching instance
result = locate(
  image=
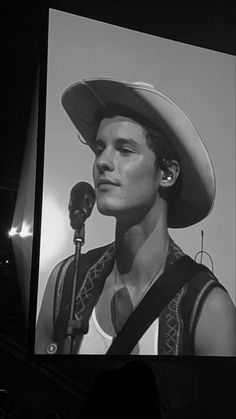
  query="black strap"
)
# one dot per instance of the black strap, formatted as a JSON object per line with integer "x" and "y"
{"x": 152, "y": 304}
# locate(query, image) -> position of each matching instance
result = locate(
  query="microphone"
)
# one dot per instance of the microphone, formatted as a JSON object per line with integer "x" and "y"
{"x": 82, "y": 200}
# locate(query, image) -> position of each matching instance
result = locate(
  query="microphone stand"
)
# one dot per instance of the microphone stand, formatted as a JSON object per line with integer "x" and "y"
{"x": 74, "y": 325}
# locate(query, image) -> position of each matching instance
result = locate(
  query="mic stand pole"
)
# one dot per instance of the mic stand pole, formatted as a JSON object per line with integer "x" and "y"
{"x": 73, "y": 325}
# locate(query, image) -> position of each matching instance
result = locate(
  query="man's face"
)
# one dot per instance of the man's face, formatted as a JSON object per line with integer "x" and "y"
{"x": 125, "y": 175}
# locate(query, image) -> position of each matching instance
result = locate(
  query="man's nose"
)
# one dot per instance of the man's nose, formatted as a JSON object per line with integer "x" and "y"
{"x": 105, "y": 161}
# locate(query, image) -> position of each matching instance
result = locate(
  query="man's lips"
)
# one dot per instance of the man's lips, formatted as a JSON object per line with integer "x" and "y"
{"x": 101, "y": 182}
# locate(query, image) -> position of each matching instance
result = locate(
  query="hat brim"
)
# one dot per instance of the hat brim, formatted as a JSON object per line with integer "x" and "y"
{"x": 83, "y": 100}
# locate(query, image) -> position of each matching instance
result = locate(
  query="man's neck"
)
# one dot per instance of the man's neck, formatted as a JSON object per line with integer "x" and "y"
{"x": 141, "y": 249}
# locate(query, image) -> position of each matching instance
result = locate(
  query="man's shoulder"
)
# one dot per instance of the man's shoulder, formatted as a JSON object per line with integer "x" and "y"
{"x": 99, "y": 252}
{"x": 90, "y": 257}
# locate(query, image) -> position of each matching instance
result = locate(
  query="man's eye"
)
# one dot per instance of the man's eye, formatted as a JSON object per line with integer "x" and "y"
{"x": 98, "y": 150}
{"x": 126, "y": 150}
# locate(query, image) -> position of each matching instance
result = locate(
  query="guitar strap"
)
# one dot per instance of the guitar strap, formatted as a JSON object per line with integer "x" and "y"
{"x": 153, "y": 302}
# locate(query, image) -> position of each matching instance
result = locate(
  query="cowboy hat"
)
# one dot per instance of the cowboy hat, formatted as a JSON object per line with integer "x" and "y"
{"x": 83, "y": 100}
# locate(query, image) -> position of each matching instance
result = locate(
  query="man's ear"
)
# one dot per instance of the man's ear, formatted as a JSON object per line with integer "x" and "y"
{"x": 169, "y": 173}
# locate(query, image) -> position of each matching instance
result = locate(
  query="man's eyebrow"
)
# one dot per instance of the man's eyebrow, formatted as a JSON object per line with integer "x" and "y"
{"x": 119, "y": 140}
{"x": 129, "y": 141}
{"x": 99, "y": 140}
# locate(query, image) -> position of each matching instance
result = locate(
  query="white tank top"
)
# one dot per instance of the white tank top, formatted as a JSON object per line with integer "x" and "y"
{"x": 96, "y": 341}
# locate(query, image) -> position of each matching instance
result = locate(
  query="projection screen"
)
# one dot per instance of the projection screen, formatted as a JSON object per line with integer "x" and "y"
{"x": 198, "y": 80}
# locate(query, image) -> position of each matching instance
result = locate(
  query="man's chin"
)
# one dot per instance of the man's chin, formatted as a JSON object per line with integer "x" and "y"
{"x": 111, "y": 211}
{"x": 108, "y": 207}
{"x": 104, "y": 210}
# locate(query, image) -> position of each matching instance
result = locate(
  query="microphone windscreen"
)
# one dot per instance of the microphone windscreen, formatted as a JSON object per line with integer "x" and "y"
{"x": 82, "y": 200}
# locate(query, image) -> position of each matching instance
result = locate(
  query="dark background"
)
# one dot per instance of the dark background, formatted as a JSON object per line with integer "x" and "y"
{"x": 208, "y": 24}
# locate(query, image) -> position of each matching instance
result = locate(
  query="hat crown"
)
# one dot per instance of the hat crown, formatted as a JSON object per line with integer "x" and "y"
{"x": 85, "y": 99}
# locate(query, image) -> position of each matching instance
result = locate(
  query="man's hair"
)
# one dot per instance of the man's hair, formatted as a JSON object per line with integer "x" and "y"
{"x": 164, "y": 153}
{"x": 156, "y": 141}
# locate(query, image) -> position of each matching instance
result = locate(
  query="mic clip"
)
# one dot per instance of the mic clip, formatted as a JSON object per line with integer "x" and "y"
{"x": 79, "y": 235}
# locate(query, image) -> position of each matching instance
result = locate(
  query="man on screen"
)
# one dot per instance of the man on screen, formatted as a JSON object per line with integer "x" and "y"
{"x": 151, "y": 172}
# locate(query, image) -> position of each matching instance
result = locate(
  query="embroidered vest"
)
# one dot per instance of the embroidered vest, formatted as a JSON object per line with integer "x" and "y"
{"x": 176, "y": 322}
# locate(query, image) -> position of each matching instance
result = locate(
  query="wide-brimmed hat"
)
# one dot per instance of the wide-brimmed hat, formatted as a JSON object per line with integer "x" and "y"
{"x": 84, "y": 100}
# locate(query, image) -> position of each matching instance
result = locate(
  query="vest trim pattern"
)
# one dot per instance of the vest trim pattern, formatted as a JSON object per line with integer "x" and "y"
{"x": 197, "y": 302}
{"x": 60, "y": 284}
{"x": 174, "y": 324}
{"x": 92, "y": 276}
